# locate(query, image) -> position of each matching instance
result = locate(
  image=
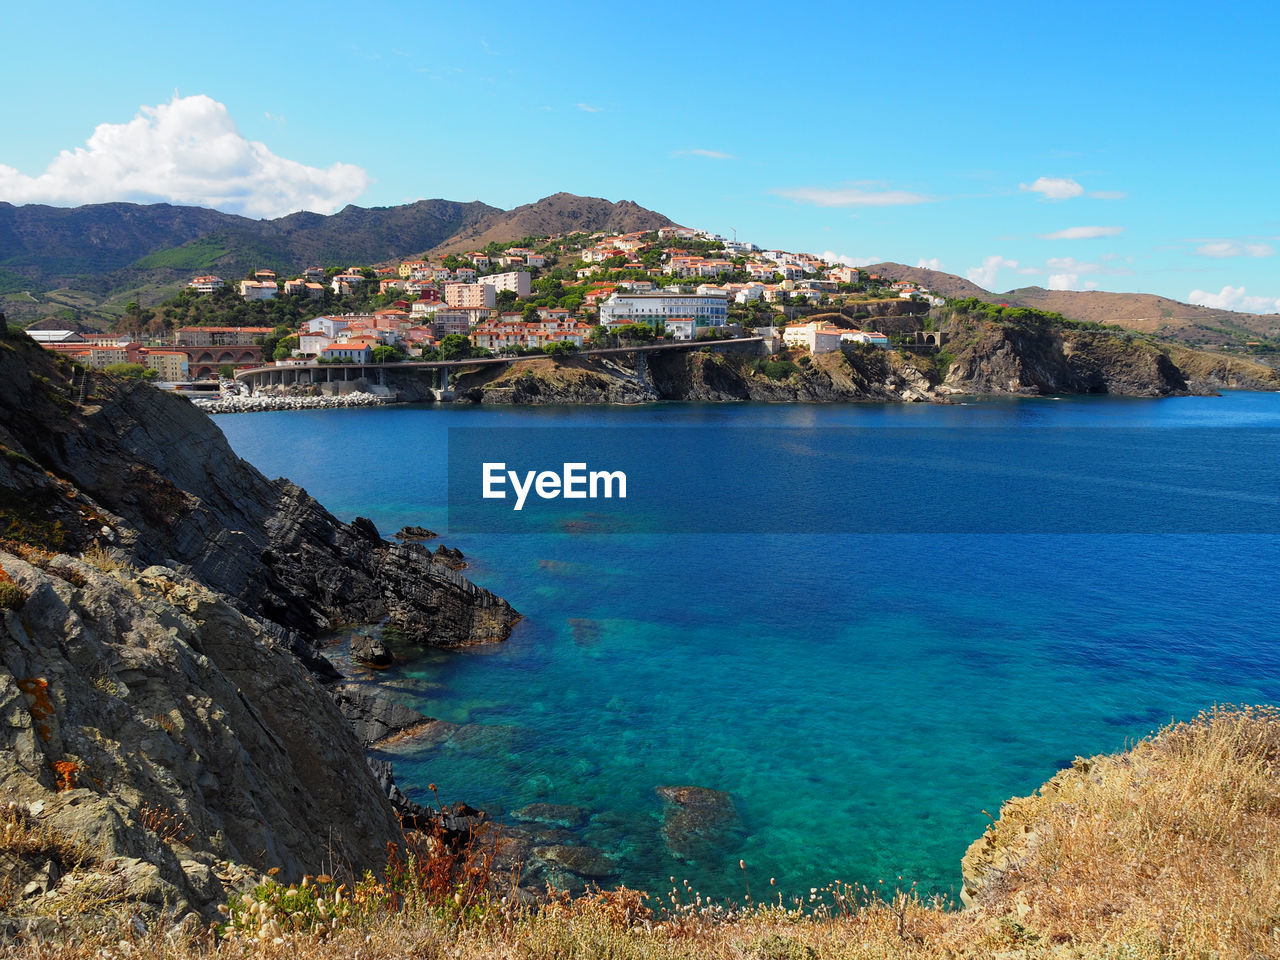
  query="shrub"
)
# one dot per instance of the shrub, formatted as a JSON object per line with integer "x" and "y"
{"x": 104, "y": 559}
{"x": 12, "y": 596}
{"x": 778, "y": 369}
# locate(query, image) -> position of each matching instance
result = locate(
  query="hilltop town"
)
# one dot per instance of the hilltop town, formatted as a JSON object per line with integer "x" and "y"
{"x": 550, "y": 294}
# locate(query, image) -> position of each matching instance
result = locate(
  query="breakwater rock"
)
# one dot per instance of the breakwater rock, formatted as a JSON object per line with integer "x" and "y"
{"x": 253, "y": 404}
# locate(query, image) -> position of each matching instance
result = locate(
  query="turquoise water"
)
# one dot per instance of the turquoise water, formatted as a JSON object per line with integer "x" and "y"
{"x": 862, "y": 698}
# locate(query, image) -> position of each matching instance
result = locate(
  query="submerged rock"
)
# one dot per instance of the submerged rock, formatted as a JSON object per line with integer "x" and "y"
{"x": 699, "y": 823}
{"x": 559, "y": 814}
{"x": 585, "y": 862}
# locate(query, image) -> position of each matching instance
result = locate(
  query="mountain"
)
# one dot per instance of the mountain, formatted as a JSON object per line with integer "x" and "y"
{"x": 1143, "y": 312}
{"x": 100, "y": 247}
{"x": 100, "y": 255}
{"x": 559, "y": 213}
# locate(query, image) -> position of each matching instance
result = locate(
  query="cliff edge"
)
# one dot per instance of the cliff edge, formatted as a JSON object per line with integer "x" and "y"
{"x": 168, "y": 736}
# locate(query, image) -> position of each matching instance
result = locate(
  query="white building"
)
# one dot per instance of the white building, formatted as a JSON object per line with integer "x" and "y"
{"x": 817, "y": 337}
{"x": 206, "y": 284}
{"x": 517, "y": 280}
{"x": 680, "y": 329}
{"x": 259, "y": 289}
{"x": 708, "y": 311}
{"x": 328, "y": 326}
{"x": 310, "y": 344}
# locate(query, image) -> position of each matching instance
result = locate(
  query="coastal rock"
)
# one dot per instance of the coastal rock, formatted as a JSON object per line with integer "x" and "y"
{"x": 850, "y": 375}
{"x": 450, "y": 556}
{"x": 373, "y": 714}
{"x": 698, "y": 823}
{"x": 1030, "y": 360}
{"x": 415, "y": 533}
{"x": 160, "y": 691}
{"x": 152, "y": 722}
{"x": 371, "y": 649}
{"x": 155, "y": 472}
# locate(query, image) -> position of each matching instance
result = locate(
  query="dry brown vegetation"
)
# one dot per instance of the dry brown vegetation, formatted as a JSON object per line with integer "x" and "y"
{"x": 1170, "y": 850}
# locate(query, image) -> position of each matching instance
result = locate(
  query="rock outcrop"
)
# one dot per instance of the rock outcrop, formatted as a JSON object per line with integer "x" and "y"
{"x": 981, "y": 358}
{"x": 850, "y": 375}
{"x": 168, "y": 732}
{"x": 147, "y": 719}
{"x": 1207, "y": 372}
{"x": 92, "y": 458}
{"x": 1032, "y": 361}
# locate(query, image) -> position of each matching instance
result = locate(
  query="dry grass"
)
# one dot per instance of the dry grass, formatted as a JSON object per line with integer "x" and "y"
{"x": 1174, "y": 844}
{"x": 1170, "y": 851}
{"x": 24, "y": 835}
{"x": 105, "y": 559}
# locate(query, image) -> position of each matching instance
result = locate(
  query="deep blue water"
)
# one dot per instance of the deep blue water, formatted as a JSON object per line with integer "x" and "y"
{"x": 863, "y": 698}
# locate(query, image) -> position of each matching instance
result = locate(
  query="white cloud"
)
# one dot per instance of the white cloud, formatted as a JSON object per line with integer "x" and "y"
{"x": 589, "y": 108}
{"x": 1233, "y": 298}
{"x": 708, "y": 154}
{"x": 187, "y": 151}
{"x": 1091, "y": 285}
{"x": 1082, "y": 233}
{"x": 985, "y": 275}
{"x": 1064, "y": 188}
{"x": 1233, "y": 248}
{"x": 1072, "y": 265}
{"x": 1063, "y": 281}
{"x": 933, "y": 263}
{"x": 1054, "y": 188}
{"x": 864, "y": 193}
{"x": 832, "y": 257}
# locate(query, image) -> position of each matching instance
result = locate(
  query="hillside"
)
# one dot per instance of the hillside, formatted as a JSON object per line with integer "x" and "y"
{"x": 92, "y": 260}
{"x": 1142, "y": 312}
{"x": 559, "y": 213}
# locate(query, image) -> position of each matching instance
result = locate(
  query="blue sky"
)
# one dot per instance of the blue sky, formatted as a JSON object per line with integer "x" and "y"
{"x": 1091, "y": 145}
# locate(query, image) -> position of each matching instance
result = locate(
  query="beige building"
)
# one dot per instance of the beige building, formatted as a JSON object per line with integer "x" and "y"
{"x": 470, "y": 295}
{"x": 172, "y": 365}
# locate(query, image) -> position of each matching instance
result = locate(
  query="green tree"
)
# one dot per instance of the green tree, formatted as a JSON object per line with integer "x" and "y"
{"x": 455, "y": 346}
{"x": 530, "y": 313}
{"x": 284, "y": 348}
{"x": 387, "y": 354}
{"x": 560, "y": 348}
{"x": 227, "y": 370}
{"x": 132, "y": 371}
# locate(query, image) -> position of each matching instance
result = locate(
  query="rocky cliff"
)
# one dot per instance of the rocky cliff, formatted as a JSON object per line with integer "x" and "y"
{"x": 167, "y": 733}
{"x": 851, "y": 375}
{"x": 980, "y": 358}
{"x": 96, "y": 459}
{"x": 1006, "y": 358}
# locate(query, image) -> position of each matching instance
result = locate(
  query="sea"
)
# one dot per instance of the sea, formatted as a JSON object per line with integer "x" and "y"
{"x": 865, "y": 694}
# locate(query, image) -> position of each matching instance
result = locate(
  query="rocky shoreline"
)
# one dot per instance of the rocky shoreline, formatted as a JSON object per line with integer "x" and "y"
{"x": 166, "y": 706}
